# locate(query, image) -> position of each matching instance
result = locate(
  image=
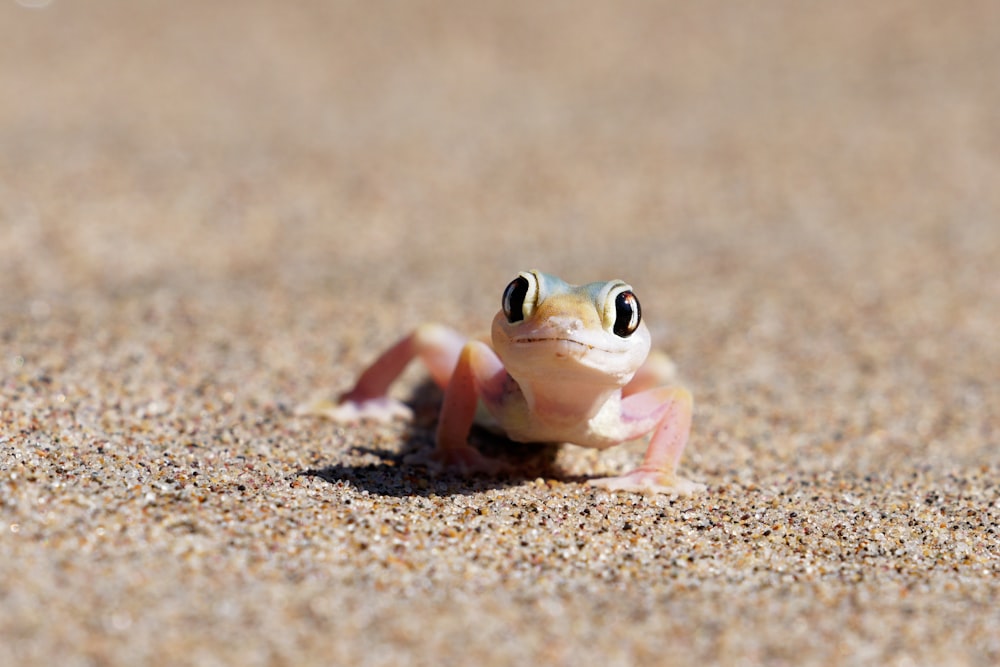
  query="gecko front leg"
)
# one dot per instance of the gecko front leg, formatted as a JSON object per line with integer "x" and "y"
{"x": 672, "y": 408}
{"x": 479, "y": 373}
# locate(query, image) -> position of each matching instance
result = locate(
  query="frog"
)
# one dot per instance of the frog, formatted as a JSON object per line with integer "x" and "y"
{"x": 562, "y": 363}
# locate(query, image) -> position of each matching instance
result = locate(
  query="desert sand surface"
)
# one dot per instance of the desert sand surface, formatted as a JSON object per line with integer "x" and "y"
{"x": 213, "y": 212}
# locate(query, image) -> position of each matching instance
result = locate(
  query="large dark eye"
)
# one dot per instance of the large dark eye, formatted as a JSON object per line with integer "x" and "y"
{"x": 513, "y": 299}
{"x": 627, "y": 314}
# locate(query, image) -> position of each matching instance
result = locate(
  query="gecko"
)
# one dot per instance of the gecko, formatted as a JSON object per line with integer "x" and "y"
{"x": 562, "y": 364}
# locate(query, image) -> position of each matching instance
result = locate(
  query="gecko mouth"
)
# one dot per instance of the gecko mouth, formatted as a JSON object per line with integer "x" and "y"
{"x": 559, "y": 341}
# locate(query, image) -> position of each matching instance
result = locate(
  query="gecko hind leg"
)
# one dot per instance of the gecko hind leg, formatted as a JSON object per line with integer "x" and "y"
{"x": 437, "y": 346}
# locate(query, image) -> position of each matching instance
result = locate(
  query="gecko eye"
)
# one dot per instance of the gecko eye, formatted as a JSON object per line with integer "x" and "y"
{"x": 628, "y": 314}
{"x": 519, "y": 298}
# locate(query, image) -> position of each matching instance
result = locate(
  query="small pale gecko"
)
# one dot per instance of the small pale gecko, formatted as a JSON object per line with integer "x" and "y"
{"x": 563, "y": 363}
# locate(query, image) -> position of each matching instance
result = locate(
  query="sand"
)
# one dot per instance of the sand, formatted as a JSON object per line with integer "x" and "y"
{"x": 212, "y": 213}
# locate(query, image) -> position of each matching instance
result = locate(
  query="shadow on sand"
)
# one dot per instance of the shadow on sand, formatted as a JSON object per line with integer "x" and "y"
{"x": 393, "y": 476}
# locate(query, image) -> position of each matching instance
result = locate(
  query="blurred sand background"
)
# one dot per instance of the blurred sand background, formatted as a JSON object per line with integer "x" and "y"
{"x": 211, "y": 212}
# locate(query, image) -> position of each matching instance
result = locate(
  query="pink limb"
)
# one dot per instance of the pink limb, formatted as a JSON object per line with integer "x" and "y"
{"x": 672, "y": 407}
{"x": 437, "y": 346}
{"x": 478, "y": 373}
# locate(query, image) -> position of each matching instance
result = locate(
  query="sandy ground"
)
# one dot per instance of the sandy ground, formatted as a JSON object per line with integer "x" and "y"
{"x": 212, "y": 212}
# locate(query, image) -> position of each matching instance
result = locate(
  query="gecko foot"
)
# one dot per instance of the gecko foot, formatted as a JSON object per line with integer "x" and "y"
{"x": 650, "y": 480}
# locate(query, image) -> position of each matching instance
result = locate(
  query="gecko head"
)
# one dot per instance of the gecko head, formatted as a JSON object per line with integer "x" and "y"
{"x": 592, "y": 333}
